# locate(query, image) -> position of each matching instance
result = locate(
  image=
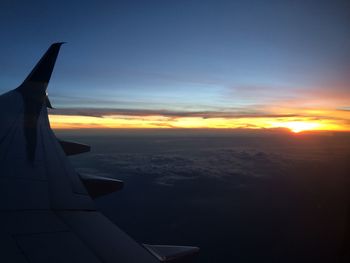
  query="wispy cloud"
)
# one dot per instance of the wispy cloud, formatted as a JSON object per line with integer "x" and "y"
{"x": 344, "y": 108}
{"x": 101, "y": 112}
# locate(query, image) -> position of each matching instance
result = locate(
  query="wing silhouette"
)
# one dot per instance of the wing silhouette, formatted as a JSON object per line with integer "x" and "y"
{"x": 47, "y": 210}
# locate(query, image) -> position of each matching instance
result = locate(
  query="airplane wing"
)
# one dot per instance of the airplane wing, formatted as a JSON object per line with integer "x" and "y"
{"x": 47, "y": 213}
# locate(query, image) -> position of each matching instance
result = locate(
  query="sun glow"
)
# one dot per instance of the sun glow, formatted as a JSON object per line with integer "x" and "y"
{"x": 294, "y": 124}
{"x": 299, "y": 126}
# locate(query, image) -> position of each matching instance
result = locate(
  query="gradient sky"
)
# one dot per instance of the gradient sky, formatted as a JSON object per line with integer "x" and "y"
{"x": 240, "y": 64}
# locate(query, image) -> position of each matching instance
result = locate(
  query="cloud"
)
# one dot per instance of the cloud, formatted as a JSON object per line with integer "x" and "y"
{"x": 240, "y": 166}
{"x": 331, "y": 94}
{"x": 344, "y": 108}
{"x": 101, "y": 112}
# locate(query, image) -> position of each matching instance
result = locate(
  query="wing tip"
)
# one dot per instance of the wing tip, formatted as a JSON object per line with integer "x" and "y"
{"x": 42, "y": 71}
{"x": 58, "y": 43}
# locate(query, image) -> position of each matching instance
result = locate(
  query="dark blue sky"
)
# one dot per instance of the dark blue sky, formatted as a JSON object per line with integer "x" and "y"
{"x": 182, "y": 55}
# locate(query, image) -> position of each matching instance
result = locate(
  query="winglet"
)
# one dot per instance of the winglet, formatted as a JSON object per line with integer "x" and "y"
{"x": 35, "y": 85}
{"x": 43, "y": 69}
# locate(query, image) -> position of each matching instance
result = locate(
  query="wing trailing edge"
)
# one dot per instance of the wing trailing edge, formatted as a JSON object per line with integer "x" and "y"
{"x": 172, "y": 254}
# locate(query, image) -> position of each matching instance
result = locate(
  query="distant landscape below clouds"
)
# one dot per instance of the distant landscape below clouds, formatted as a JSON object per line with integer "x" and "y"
{"x": 239, "y": 196}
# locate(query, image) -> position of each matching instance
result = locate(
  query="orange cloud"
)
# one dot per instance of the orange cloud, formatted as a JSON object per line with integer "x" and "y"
{"x": 337, "y": 120}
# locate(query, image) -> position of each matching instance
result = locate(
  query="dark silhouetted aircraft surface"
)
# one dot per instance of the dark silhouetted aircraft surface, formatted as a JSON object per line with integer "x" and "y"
{"x": 47, "y": 208}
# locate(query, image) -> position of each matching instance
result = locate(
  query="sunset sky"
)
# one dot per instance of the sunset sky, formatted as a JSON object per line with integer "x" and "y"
{"x": 186, "y": 64}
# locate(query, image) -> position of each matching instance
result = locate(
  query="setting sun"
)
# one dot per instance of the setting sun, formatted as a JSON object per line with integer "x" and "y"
{"x": 299, "y": 126}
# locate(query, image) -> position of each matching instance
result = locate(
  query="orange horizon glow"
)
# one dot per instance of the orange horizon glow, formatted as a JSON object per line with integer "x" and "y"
{"x": 294, "y": 124}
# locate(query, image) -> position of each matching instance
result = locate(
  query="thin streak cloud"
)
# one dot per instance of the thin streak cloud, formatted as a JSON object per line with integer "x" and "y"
{"x": 100, "y": 112}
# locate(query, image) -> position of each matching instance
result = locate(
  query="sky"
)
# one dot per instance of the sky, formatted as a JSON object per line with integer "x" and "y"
{"x": 185, "y": 63}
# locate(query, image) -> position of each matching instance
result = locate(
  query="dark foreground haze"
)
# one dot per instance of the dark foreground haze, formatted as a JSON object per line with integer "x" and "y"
{"x": 255, "y": 197}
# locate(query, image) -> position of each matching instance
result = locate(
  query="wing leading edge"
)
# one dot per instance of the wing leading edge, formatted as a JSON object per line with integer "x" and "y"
{"x": 46, "y": 209}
